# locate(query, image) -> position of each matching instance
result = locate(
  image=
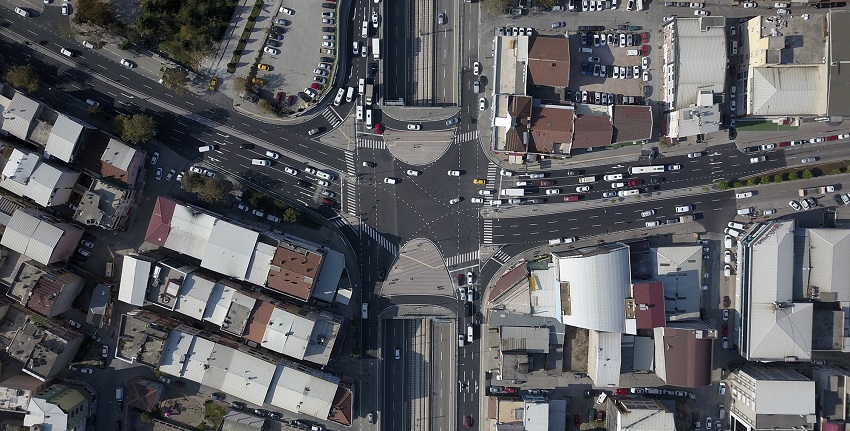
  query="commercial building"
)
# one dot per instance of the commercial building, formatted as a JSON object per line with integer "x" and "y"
{"x": 634, "y": 412}
{"x": 684, "y": 352}
{"x": 771, "y": 398}
{"x": 49, "y": 291}
{"x": 45, "y": 183}
{"x": 58, "y": 408}
{"x": 40, "y": 236}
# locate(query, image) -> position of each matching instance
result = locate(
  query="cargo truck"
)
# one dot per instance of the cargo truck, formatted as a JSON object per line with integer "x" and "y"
{"x": 370, "y": 90}
{"x": 376, "y": 48}
{"x": 817, "y": 190}
{"x": 512, "y": 192}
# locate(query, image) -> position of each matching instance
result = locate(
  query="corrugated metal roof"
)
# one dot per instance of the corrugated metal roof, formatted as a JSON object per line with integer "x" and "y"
{"x": 603, "y": 358}
{"x": 135, "y": 275}
{"x": 20, "y": 114}
{"x": 118, "y": 154}
{"x": 774, "y": 333}
{"x": 229, "y": 249}
{"x": 700, "y": 60}
{"x": 261, "y": 260}
{"x": 63, "y": 138}
{"x": 51, "y": 185}
{"x": 599, "y": 283}
{"x": 787, "y": 90}
{"x": 20, "y": 167}
{"x": 194, "y": 295}
{"x": 784, "y": 397}
{"x": 651, "y": 417}
{"x": 277, "y": 328}
{"x": 31, "y": 236}
{"x": 839, "y": 59}
{"x": 524, "y": 339}
{"x": 219, "y": 303}
{"x": 190, "y": 231}
{"x": 828, "y": 250}
{"x": 327, "y": 281}
{"x": 288, "y": 391}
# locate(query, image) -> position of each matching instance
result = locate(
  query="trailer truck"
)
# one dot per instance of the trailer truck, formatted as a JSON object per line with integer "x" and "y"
{"x": 376, "y": 48}
{"x": 512, "y": 192}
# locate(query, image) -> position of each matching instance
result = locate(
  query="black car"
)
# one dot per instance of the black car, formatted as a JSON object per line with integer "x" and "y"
{"x": 119, "y": 425}
{"x": 328, "y": 29}
{"x": 382, "y": 272}
{"x": 275, "y": 415}
{"x": 653, "y": 153}
{"x": 237, "y": 405}
{"x": 574, "y": 172}
{"x": 260, "y": 412}
{"x": 584, "y": 68}
{"x": 218, "y": 396}
{"x": 733, "y": 133}
{"x": 656, "y": 180}
{"x": 246, "y": 146}
{"x": 305, "y": 184}
{"x": 467, "y": 308}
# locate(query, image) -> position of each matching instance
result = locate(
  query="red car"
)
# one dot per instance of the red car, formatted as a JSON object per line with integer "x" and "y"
{"x": 378, "y": 129}
{"x": 644, "y": 50}
{"x": 460, "y": 279}
{"x": 727, "y": 302}
{"x": 644, "y": 38}
{"x": 467, "y": 421}
{"x": 511, "y": 390}
{"x": 290, "y": 100}
{"x": 316, "y": 86}
{"x": 621, "y": 391}
{"x": 279, "y": 96}
{"x": 546, "y": 183}
{"x": 577, "y": 420}
{"x": 571, "y": 198}
{"x": 832, "y": 138}
{"x": 328, "y": 202}
{"x": 785, "y": 144}
{"x": 633, "y": 183}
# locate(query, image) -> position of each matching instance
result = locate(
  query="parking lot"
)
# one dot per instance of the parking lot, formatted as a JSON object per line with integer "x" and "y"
{"x": 293, "y": 49}
{"x": 606, "y": 62}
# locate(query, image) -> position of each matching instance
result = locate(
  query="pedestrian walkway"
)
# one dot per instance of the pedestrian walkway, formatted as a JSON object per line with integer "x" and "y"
{"x": 487, "y": 227}
{"x": 337, "y": 221}
{"x": 349, "y": 188}
{"x": 334, "y": 119}
{"x": 471, "y": 256}
{"x": 492, "y": 174}
{"x": 501, "y": 257}
{"x": 383, "y": 242}
{"x": 376, "y": 144}
{"x": 466, "y": 137}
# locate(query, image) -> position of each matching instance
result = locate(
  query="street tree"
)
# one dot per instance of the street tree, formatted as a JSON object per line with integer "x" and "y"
{"x": 214, "y": 190}
{"x": 136, "y": 128}
{"x": 291, "y": 215}
{"x": 23, "y": 76}
{"x": 496, "y": 7}
{"x": 175, "y": 79}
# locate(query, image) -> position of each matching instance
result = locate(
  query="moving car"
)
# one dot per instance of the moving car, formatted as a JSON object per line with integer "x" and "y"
{"x": 454, "y": 173}
{"x": 129, "y": 64}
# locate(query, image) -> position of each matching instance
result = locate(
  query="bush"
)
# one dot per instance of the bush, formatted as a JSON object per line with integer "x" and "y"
{"x": 125, "y": 44}
{"x": 777, "y": 178}
{"x": 807, "y": 174}
{"x": 237, "y": 52}
{"x": 835, "y": 171}
{"x": 793, "y": 175}
{"x": 737, "y": 184}
{"x": 752, "y": 181}
{"x": 722, "y": 185}
{"x": 292, "y": 215}
{"x": 765, "y": 179}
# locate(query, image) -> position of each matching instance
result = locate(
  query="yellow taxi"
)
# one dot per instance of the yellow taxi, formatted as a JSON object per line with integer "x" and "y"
{"x": 480, "y": 181}
{"x": 262, "y": 66}
{"x": 213, "y": 83}
{"x": 258, "y": 81}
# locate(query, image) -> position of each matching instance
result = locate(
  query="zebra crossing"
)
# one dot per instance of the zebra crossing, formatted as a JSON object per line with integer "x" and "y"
{"x": 375, "y": 144}
{"x": 501, "y": 257}
{"x": 337, "y": 221}
{"x": 385, "y": 243}
{"x": 466, "y": 136}
{"x": 492, "y": 172}
{"x": 349, "y": 189}
{"x": 332, "y": 117}
{"x": 487, "y": 231}
{"x": 462, "y": 258}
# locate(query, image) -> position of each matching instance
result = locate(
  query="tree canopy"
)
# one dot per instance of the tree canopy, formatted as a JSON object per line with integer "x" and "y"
{"x": 136, "y": 128}
{"x": 23, "y": 76}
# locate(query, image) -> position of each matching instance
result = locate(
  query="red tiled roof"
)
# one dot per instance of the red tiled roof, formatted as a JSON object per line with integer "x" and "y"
{"x": 257, "y": 321}
{"x": 592, "y": 131}
{"x": 293, "y": 272}
{"x": 550, "y": 126}
{"x": 508, "y": 280}
{"x": 160, "y": 223}
{"x": 649, "y": 303}
{"x": 549, "y": 61}
{"x": 687, "y": 358}
{"x": 632, "y": 123}
{"x": 343, "y": 406}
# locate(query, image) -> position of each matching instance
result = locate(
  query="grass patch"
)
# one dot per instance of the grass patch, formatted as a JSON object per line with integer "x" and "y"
{"x": 243, "y": 39}
{"x": 762, "y": 126}
{"x": 213, "y": 416}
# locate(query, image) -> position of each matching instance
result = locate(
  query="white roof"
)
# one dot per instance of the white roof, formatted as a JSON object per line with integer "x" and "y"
{"x": 46, "y": 184}
{"x": 20, "y": 114}
{"x": 217, "y": 366}
{"x": 330, "y": 271}
{"x": 190, "y": 231}
{"x": 644, "y": 415}
{"x": 787, "y": 90}
{"x": 784, "y": 397}
{"x": 118, "y": 154}
{"x": 261, "y": 261}
{"x": 545, "y": 299}
{"x": 599, "y": 282}
{"x": 63, "y": 138}
{"x": 135, "y": 275}
{"x": 303, "y": 390}
{"x": 775, "y": 332}
{"x": 229, "y": 249}
{"x": 604, "y": 358}
{"x": 47, "y": 415}
{"x": 31, "y": 236}
{"x": 194, "y": 295}
{"x": 535, "y": 416}
{"x": 827, "y": 256}
{"x": 700, "y": 59}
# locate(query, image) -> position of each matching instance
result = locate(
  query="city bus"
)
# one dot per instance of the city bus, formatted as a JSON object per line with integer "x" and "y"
{"x": 634, "y": 170}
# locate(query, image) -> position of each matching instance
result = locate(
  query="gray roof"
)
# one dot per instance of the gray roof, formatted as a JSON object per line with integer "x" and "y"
{"x": 827, "y": 259}
{"x": 29, "y": 235}
{"x": 46, "y": 184}
{"x": 194, "y": 294}
{"x": 118, "y": 154}
{"x": 839, "y": 62}
{"x": 700, "y": 58}
{"x": 190, "y": 230}
{"x": 229, "y": 249}
{"x": 524, "y": 339}
{"x": 787, "y": 90}
{"x": 19, "y": 116}
{"x": 135, "y": 277}
{"x": 604, "y": 358}
{"x": 63, "y": 138}
{"x": 288, "y": 390}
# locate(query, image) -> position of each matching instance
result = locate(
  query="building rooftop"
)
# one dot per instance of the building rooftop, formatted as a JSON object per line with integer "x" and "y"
{"x": 551, "y": 128}
{"x": 524, "y": 339}
{"x": 649, "y": 304}
{"x": 632, "y": 123}
{"x": 838, "y": 22}
{"x": 549, "y": 61}
{"x": 683, "y": 353}
{"x": 63, "y": 139}
{"x": 46, "y": 183}
{"x": 41, "y": 237}
{"x": 700, "y": 56}
{"x": 592, "y": 131}
{"x": 121, "y": 162}
{"x": 293, "y": 271}
{"x": 19, "y": 116}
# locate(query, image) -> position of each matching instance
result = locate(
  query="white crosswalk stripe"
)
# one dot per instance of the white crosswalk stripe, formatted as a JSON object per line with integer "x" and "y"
{"x": 488, "y": 231}
{"x": 376, "y": 144}
{"x": 385, "y": 243}
{"x": 337, "y": 221}
{"x": 466, "y": 136}
{"x": 462, "y": 258}
{"x": 332, "y": 117}
{"x": 349, "y": 188}
{"x": 492, "y": 171}
{"x": 501, "y": 257}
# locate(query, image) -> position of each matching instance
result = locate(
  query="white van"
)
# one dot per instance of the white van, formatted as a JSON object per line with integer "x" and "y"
{"x": 684, "y": 208}
{"x": 359, "y": 113}
{"x": 602, "y": 397}
{"x": 727, "y": 241}
{"x": 339, "y": 95}
{"x": 631, "y": 192}
{"x": 368, "y": 118}
{"x": 556, "y": 241}
{"x": 22, "y": 12}
{"x": 613, "y": 177}
{"x": 469, "y": 332}
{"x": 261, "y": 162}
{"x": 633, "y": 52}
{"x": 735, "y": 225}
{"x": 325, "y": 176}
{"x": 349, "y": 95}
{"x": 731, "y": 232}
{"x": 745, "y": 211}
{"x": 364, "y": 311}
{"x": 364, "y": 29}
{"x": 206, "y": 148}
{"x": 585, "y": 180}
{"x": 587, "y": 50}
{"x": 361, "y": 86}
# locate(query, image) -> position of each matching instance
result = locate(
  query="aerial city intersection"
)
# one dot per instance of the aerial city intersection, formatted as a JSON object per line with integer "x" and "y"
{"x": 424, "y": 215}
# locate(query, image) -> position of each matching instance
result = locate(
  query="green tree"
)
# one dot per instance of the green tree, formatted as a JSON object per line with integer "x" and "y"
{"x": 765, "y": 179}
{"x": 175, "y": 79}
{"x": 793, "y": 175}
{"x": 777, "y": 178}
{"x": 722, "y": 185}
{"x": 214, "y": 190}
{"x": 545, "y": 4}
{"x": 145, "y": 417}
{"x": 291, "y": 215}
{"x": 751, "y": 181}
{"x": 93, "y": 11}
{"x": 835, "y": 171}
{"x": 265, "y": 106}
{"x": 23, "y": 76}
{"x": 807, "y": 174}
{"x": 496, "y": 7}
{"x": 136, "y": 128}
{"x": 737, "y": 184}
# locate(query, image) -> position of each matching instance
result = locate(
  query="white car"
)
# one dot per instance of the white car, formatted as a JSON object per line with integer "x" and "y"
{"x": 644, "y": 61}
{"x": 328, "y": 21}
{"x": 327, "y": 44}
{"x": 553, "y": 191}
{"x": 653, "y": 223}
{"x": 482, "y": 104}
{"x": 609, "y": 194}
{"x": 695, "y": 154}
{"x": 158, "y": 173}
{"x": 617, "y": 185}
{"x": 271, "y": 50}
{"x": 702, "y": 12}
{"x": 750, "y": 4}
{"x": 581, "y": 189}
{"x": 127, "y": 63}
{"x": 287, "y": 11}
{"x": 485, "y": 192}
{"x": 454, "y": 173}
{"x": 413, "y": 127}
{"x": 647, "y": 213}
{"x": 809, "y": 160}
{"x": 170, "y": 175}
{"x": 413, "y": 172}
{"x": 645, "y": 75}
{"x": 155, "y": 157}
{"x": 507, "y": 173}
{"x": 454, "y": 200}
{"x": 743, "y": 195}
{"x": 290, "y": 171}
{"x": 476, "y": 68}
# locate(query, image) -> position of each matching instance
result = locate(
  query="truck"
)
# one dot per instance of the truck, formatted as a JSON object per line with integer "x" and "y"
{"x": 686, "y": 218}
{"x": 370, "y": 90}
{"x": 512, "y": 192}
{"x": 633, "y": 52}
{"x": 376, "y": 48}
{"x": 816, "y": 190}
